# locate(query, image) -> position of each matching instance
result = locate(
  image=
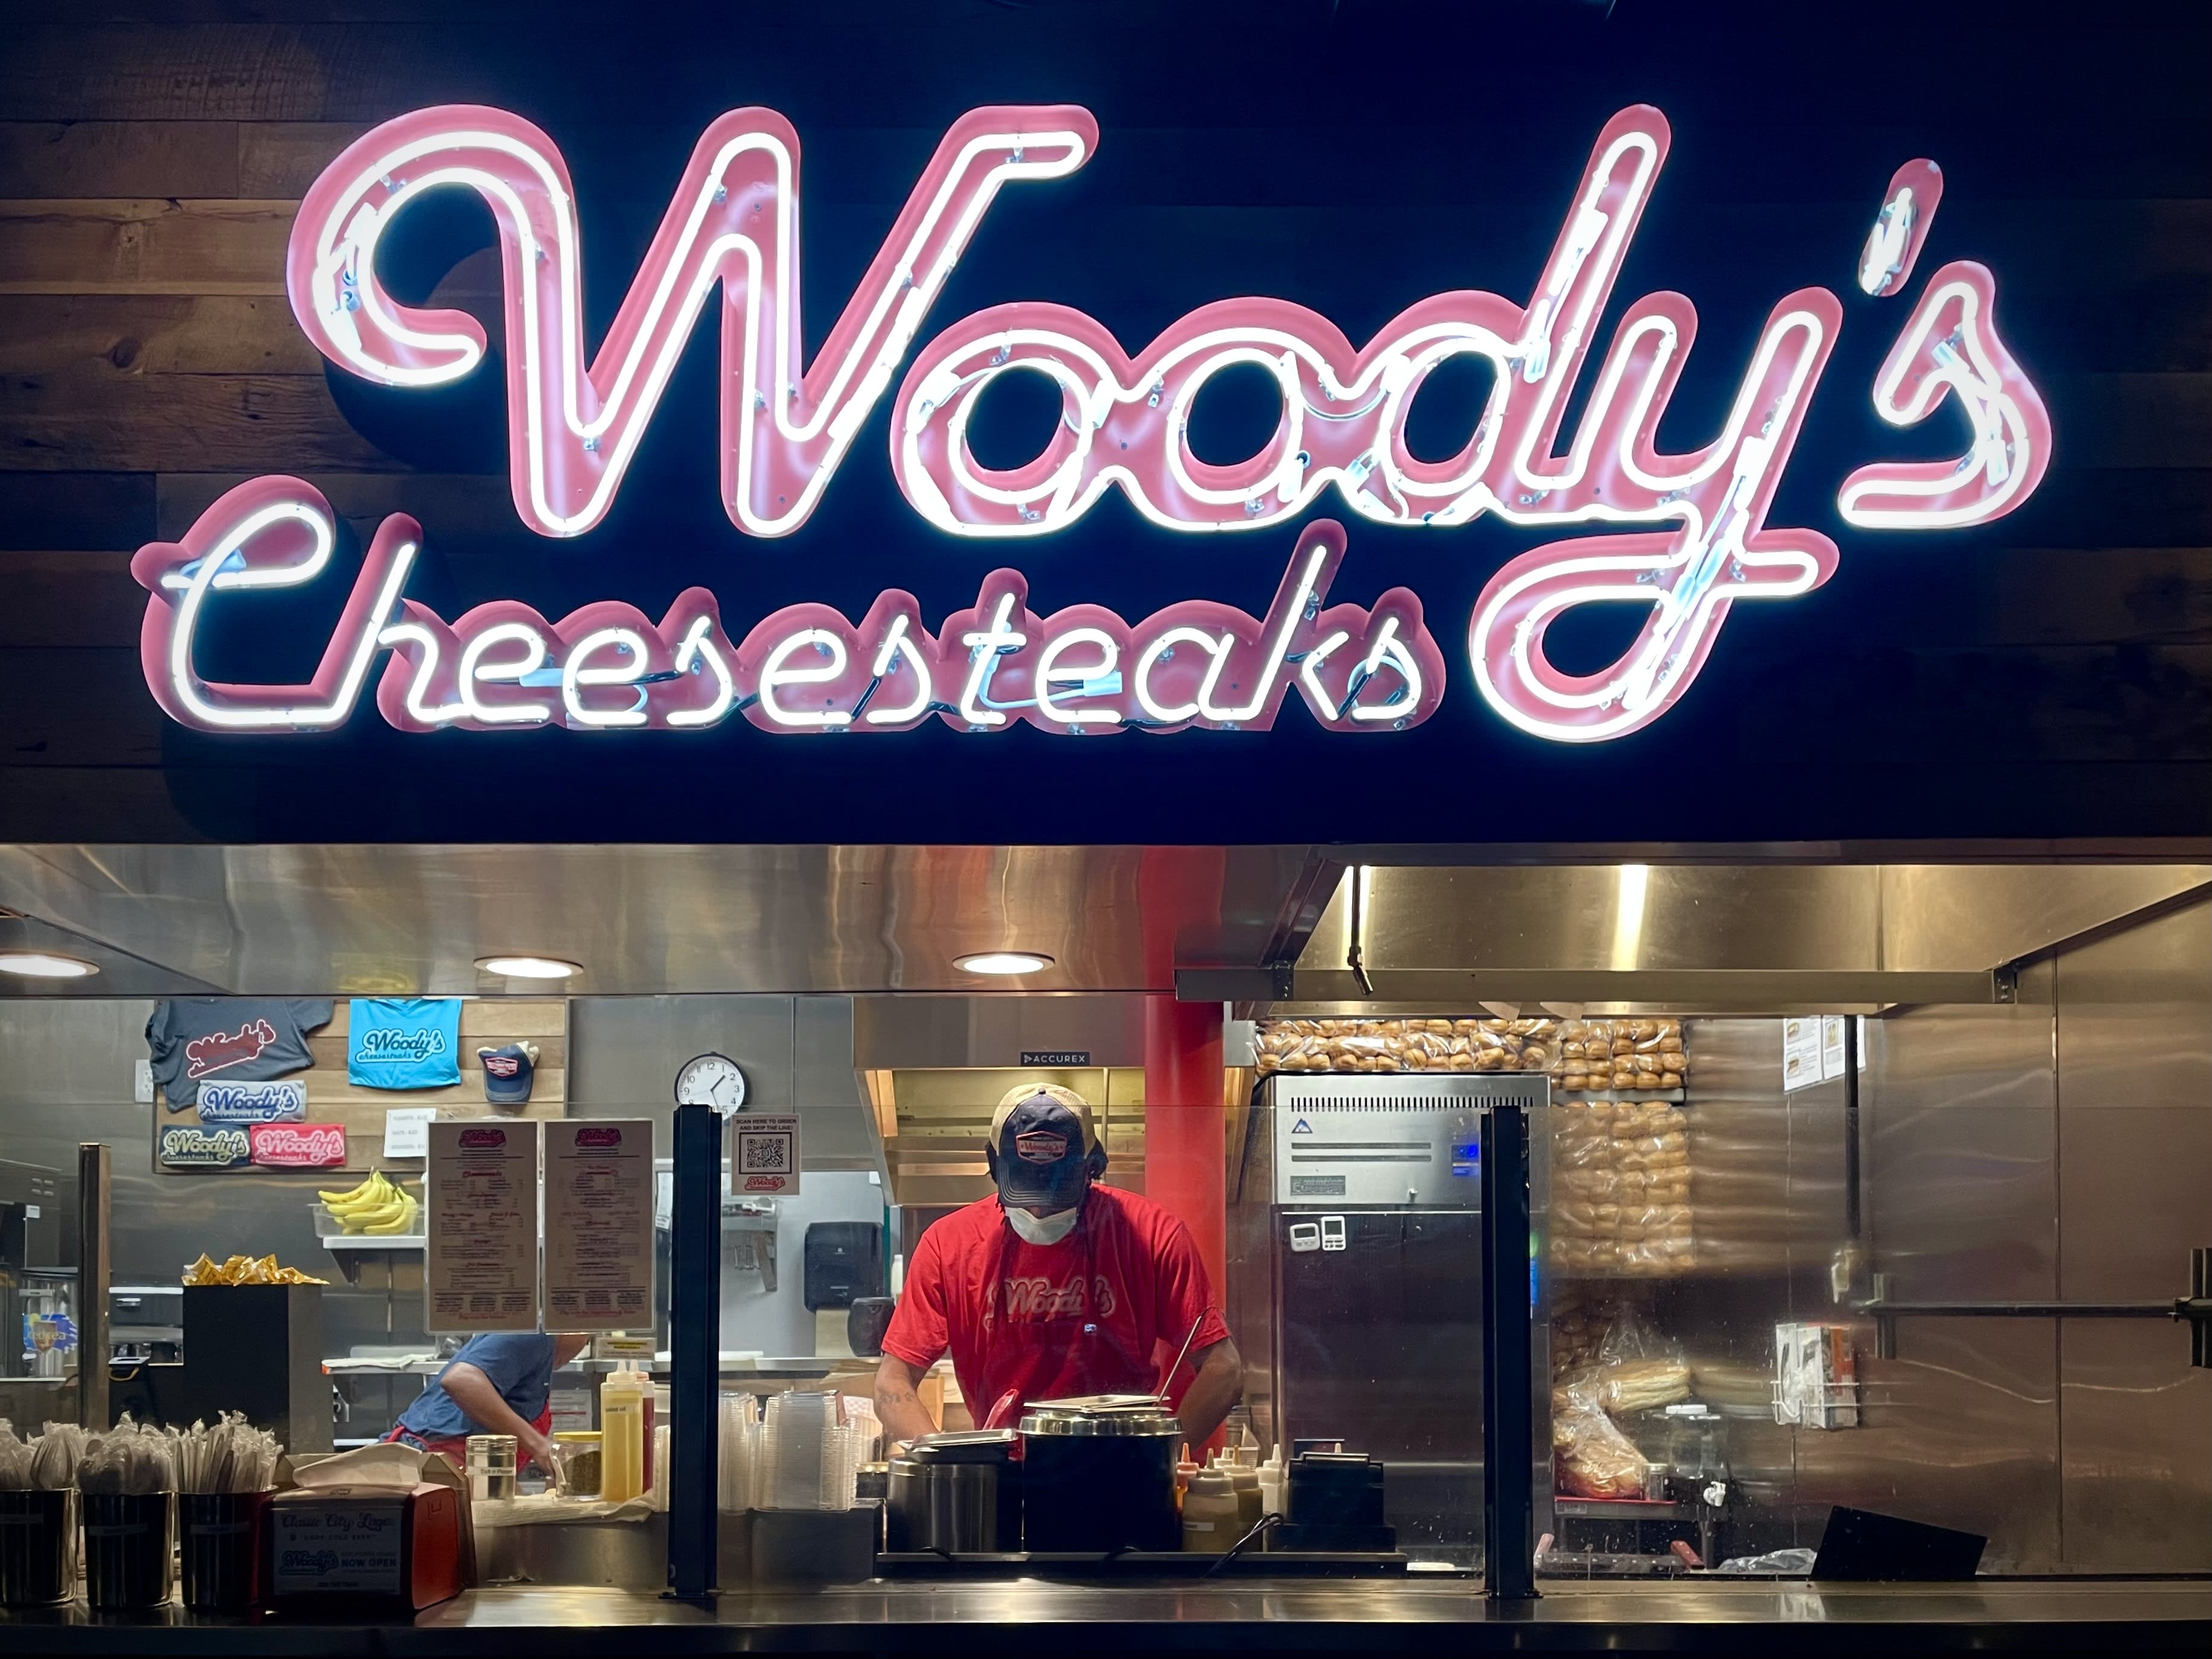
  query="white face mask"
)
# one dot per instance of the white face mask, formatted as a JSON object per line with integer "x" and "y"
{"x": 1041, "y": 1229}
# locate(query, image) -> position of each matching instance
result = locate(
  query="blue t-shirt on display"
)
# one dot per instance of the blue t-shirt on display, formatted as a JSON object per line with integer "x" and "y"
{"x": 404, "y": 1042}
{"x": 520, "y": 1366}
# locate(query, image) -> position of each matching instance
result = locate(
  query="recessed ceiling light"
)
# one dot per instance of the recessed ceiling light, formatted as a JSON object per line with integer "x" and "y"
{"x": 45, "y": 964}
{"x": 529, "y": 967}
{"x": 1002, "y": 961}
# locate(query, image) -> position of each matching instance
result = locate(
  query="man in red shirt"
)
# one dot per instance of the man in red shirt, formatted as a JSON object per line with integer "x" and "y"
{"x": 1056, "y": 1287}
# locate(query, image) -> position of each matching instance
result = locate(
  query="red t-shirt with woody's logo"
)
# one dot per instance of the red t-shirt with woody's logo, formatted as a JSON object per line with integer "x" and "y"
{"x": 1150, "y": 1288}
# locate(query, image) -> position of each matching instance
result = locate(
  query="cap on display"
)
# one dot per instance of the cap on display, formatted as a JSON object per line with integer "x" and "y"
{"x": 1042, "y": 1141}
{"x": 509, "y": 1072}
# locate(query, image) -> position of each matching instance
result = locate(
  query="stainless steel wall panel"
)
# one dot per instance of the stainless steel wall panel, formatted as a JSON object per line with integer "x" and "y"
{"x": 840, "y": 1126}
{"x": 1960, "y": 1126}
{"x": 2137, "y": 1422}
{"x": 2135, "y": 1168}
{"x": 1740, "y": 1147}
{"x": 2135, "y": 1192}
{"x": 1962, "y": 1201}
{"x": 1816, "y": 1220}
{"x": 993, "y": 1032}
{"x": 796, "y": 1053}
{"x": 1830, "y": 918}
{"x": 625, "y": 1052}
{"x": 2133, "y": 1026}
{"x": 1956, "y": 916}
{"x": 1959, "y": 1129}
{"x": 1959, "y": 1430}
{"x": 1563, "y": 916}
{"x": 644, "y": 919}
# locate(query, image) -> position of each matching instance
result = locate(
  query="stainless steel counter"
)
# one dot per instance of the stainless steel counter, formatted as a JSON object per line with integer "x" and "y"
{"x": 1256, "y": 1615}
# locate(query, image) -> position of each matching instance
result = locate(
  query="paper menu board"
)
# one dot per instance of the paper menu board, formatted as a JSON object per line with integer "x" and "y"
{"x": 1832, "y": 1045}
{"x": 1800, "y": 1052}
{"x": 480, "y": 1270}
{"x": 599, "y": 1225}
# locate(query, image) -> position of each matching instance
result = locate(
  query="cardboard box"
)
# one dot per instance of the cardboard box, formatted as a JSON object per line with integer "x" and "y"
{"x": 385, "y": 1544}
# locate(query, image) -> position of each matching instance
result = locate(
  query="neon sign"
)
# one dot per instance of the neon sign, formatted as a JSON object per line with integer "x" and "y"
{"x": 610, "y": 667}
{"x": 1687, "y": 535}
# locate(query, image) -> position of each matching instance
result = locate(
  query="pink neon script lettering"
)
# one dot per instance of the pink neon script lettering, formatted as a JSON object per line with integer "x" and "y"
{"x": 733, "y": 220}
{"x": 807, "y": 668}
{"x": 1950, "y": 349}
{"x": 1691, "y": 536}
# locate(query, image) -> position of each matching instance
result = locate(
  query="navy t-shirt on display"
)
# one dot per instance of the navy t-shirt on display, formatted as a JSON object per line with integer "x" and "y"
{"x": 233, "y": 1039}
{"x": 520, "y": 1366}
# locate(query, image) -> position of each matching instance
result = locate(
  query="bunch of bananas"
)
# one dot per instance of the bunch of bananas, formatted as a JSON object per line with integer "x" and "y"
{"x": 376, "y": 1206}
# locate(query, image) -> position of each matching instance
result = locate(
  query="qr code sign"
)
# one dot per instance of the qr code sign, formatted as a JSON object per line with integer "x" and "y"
{"x": 766, "y": 1159}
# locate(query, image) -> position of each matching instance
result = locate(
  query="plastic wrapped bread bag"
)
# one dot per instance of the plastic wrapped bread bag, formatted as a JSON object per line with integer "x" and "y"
{"x": 1591, "y": 1457}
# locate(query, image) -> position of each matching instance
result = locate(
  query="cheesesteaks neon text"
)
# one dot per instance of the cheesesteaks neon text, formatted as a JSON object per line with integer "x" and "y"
{"x": 804, "y": 669}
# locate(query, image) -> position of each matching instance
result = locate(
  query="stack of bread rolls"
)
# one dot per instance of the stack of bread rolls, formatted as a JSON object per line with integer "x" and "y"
{"x": 1620, "y": 1189}
{"x": 1580, "y": 1056}
{"x": 1394, "y": 1045}
{"x": 1599, "y": 1055}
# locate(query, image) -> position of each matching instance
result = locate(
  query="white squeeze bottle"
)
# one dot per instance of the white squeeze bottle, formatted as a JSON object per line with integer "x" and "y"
{"x": 622, "y": 1437}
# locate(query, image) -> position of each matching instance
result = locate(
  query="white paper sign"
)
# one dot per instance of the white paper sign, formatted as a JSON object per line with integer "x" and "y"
{"x": 1800, "y": 1052}
{"x": 480, "y": 1272}
{"x": 407, "y": 1131}
{"x": 599, "y": 1224}
{"x": 763, "y": 1156}
{"x": 571, "y": 1409}
{"x": 1832, "y": 1045}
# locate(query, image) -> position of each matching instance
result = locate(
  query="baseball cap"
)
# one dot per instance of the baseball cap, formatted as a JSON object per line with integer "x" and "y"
{"x": 509, "y": 1072}
{"x": 1044, "y": 1137}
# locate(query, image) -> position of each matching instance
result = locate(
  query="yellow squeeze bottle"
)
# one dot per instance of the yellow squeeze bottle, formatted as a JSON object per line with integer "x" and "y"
{"x": 622, "y": 1442}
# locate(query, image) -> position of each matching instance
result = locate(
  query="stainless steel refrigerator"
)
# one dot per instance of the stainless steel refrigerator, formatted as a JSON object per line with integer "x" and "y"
{"x": 1356, "y": 1283}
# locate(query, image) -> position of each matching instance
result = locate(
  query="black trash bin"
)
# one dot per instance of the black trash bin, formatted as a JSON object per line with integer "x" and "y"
{"x": 38, "y": 1549}
{"x": 220, "y": 1537}
{"x": 129, "y": 1543}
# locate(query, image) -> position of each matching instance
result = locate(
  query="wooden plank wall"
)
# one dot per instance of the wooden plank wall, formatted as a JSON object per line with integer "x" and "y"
{"x": 486, "y": 1022}
{"x": 151, "y": 159}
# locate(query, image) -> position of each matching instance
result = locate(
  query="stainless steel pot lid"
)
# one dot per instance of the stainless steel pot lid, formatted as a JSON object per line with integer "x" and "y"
{"x": 1119, "y": 1415}
{"x": 963, "y": 1446}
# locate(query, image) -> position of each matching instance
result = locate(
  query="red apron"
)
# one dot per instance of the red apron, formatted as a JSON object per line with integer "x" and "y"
{"x": 454, "y": 1448}
{"x": 1058, "y": 1356}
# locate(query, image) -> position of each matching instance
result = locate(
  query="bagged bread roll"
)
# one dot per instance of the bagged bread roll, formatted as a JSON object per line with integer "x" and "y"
{"x": 1591, "y": 1457}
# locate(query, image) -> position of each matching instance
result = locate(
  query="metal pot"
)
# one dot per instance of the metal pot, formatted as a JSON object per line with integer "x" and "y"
{"x": 955, "y": 1493}
{"x": 1098, "y": 1475}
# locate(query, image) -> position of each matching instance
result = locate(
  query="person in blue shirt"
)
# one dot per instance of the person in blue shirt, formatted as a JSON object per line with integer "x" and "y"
{"x": 500, "y": 1383}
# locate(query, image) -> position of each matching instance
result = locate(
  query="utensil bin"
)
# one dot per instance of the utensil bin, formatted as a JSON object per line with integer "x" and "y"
{"x": 220, "y": 1533}
{"x": 129, "y": 1549}
{"x": 38, "y": 1549}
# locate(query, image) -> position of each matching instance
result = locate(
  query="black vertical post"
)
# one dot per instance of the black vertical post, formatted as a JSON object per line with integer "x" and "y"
{"x": 1508, "y": 1447}
{"x": 1853, "y": 1218}
{"x": 695, "y": 1343}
